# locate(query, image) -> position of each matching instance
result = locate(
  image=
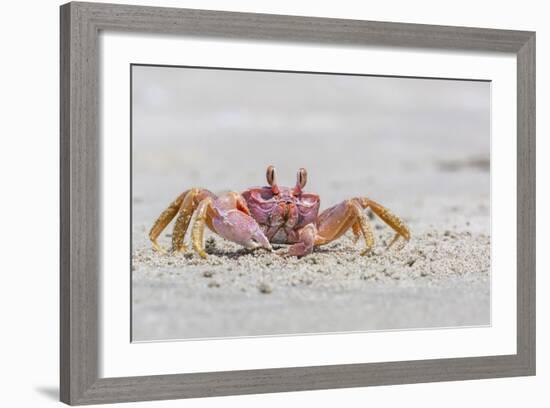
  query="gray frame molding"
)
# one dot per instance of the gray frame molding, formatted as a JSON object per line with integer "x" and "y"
{"x": 80, "y": 233}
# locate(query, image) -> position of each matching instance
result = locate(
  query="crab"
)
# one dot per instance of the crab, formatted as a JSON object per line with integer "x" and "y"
{"x": 261, "y": 216}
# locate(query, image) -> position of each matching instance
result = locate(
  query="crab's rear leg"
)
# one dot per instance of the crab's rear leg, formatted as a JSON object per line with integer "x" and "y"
{"x": 163, "y": 220}
{"x": 185, "y": 204}
{"x": 197, "y": 232}
{"x": 400, "y": 228}
{"x": 335, "y": 221}
{"x": 229, "y": 217}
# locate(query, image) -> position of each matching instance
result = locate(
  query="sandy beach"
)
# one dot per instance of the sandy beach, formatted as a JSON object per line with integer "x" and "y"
{"x": 422, "y": 150}
{"x": 437, "y": 281}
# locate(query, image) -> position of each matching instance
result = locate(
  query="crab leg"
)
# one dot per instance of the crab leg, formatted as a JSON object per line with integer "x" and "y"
{"x": 356, "y": 229}
{"x": 185, "y": 204}
{"x": 197, "y": 233}
{"x": 163, "y": 220}
{"x": 189, "y": 205}
{"x": 388, "y": 217}
{"x": 365, "y": 230}
{"x": 335, "y": 221}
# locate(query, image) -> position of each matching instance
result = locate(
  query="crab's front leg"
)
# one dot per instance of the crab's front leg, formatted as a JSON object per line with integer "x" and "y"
{"x": 229, "y": 217}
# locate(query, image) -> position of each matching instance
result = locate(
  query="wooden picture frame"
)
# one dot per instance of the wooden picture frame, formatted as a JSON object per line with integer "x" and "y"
{"x": 80, "y": 189}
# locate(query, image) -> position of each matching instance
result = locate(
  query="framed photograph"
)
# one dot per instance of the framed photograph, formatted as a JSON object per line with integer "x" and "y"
{"x": 257, "y": 203}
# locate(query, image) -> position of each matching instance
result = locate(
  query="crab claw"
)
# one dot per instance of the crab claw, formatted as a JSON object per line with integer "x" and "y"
{"x": 236, "y": 226}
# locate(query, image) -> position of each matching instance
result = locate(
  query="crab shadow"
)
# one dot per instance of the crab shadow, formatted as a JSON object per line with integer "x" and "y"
{"x": 278, "y": 251}
{"x": 242, "y": 252}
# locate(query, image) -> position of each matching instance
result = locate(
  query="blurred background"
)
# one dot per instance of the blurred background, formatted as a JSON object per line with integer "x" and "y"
{"x": 409, "y": 143}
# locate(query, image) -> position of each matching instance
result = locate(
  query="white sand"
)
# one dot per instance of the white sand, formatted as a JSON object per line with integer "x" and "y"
{"x": 437, "y": 280}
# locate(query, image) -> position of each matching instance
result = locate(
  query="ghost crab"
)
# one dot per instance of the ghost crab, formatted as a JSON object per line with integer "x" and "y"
{"x": 260, "y": 216}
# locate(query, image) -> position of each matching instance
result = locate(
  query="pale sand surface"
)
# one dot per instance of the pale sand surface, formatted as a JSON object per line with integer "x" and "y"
{"x": 436, "y": 281}
{"x": 421, "y": 149}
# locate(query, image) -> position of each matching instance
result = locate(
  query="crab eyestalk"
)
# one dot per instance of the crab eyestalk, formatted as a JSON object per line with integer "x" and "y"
{"x": 272, "y": 179}
{"x": 301, "y": 180}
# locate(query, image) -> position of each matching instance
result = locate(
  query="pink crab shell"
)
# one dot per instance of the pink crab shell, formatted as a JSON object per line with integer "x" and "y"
{"x": 283, "y": 213}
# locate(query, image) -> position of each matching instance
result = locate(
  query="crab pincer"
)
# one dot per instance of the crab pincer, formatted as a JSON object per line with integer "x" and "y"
{"x": 240, "y": 228}
{"x": 228, "y": 217}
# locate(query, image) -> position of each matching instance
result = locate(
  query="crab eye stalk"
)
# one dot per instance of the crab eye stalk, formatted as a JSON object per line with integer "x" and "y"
{"x": 270, "y": 175}
{"x": 301, "y": 180}
{"x": 271, "y": 179}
